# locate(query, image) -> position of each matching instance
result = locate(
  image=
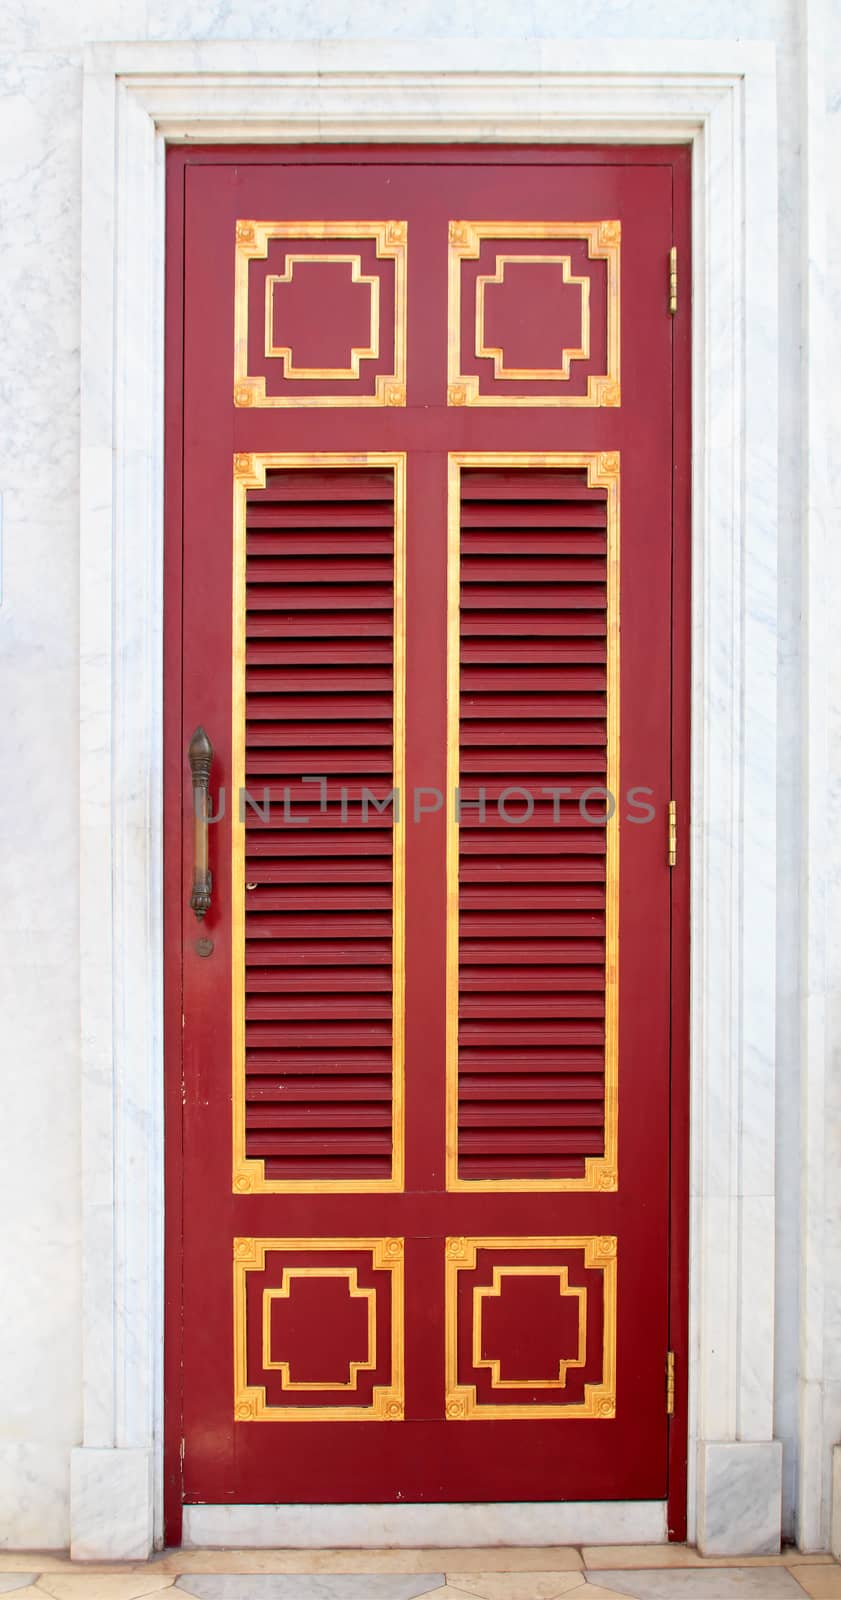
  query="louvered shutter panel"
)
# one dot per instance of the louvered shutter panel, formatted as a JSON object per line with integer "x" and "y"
{"x": 320, "y": 1024}
{"x": 532, "y": 892}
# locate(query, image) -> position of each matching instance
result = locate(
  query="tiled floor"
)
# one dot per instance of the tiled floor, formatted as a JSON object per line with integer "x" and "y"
{"x": 644, "y": 1572}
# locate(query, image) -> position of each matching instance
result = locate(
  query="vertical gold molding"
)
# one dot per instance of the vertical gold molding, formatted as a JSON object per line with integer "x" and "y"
{"x": 398, "y": 837}
{"x": 602, "y": 467}
{"x": 454, "y": 466}
{"x": 249, "y": 1174}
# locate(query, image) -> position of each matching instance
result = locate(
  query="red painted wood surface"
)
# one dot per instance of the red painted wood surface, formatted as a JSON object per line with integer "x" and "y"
{"x": 636, "y": 1454}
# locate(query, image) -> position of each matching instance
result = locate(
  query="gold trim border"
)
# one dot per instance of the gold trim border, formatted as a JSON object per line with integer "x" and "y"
{"x": 252, "y": 244}
{"x": 461, "y": 1404}
{"x": 249, "y": 1173}
{"x": 602, "y": 467}
{"x": 603, "y": 244}
{"x": 387, "y": 1401}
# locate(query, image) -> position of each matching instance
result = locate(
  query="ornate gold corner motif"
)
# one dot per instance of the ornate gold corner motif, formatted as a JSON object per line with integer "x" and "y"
{"x": 387, "y": 1400}
{"x": 601, "y": 1173}
{"x": 599, "y": 1253}
{"x": 603, "y": 241}
{"x": 249, "y": 1172}
{"x": 252, "y": 244}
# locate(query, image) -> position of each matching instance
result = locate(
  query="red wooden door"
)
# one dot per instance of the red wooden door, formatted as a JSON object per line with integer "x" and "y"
{"x": 425, "y": 475}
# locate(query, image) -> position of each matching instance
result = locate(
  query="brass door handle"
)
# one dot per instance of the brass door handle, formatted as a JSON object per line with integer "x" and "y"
{"x": 200, "y": 756}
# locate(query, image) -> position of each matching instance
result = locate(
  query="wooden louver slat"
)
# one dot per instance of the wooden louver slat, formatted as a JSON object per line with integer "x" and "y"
{"x": 533, "y": 715}
{"x": 320, "y": 684}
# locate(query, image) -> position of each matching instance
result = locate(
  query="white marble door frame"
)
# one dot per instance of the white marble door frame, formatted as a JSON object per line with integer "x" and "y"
{"x": 720, "y": 98}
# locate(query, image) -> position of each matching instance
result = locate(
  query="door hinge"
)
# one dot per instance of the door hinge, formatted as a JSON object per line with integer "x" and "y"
{"x": 672, "y": 833}
{"x": 670, "y": 1383}
{"x": 673, "y": 280}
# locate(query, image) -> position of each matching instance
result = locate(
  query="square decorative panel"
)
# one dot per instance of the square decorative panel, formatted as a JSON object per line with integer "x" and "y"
{"x": 320, "y": 314}
{"x": 318, "y": 1330}
{"x": 531, "y": 1327}
{"x": 533, "y": 316}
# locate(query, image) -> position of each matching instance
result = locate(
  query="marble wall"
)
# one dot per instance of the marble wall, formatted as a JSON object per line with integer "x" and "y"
{"x": 40, "y": 125}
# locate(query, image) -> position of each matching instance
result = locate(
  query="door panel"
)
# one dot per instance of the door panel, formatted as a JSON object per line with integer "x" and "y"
{"x": 318, "y": 909}
{"x": 532, "y": 855}
{"x": 427, "y": 624}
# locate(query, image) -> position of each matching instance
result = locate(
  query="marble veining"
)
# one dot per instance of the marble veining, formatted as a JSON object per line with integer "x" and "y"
{"x": 758, "y": 1583}
{"x": 307, "y": 1527}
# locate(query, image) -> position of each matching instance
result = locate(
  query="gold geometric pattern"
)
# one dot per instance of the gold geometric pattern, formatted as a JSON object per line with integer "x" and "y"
{"x": 492, "y": 1291}
{"x": 288, "y": 1275}
{"x": 603, "y": 241}
{"x": 600, "y": 1172}
{"x": 357, "y": 354}
{"x": 252, "y": 244}
{"x": 582, "y": 353}
{"x": 599, "y": 1401}
{"x": 387, "y": 1400}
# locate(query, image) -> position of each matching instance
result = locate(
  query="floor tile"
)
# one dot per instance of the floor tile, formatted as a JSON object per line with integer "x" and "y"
{"x": 314, "y": 1586}
{"x": 84, "y": 1584}
{"x": 449, "y": 1592}
{"x": 14, "y": 1580}
{"x": 594, "y": 1591}
{"x": 690, "y": 1583}
{"x": 560, "y": 1558}
{"x": 638, "y": 1556}
{"x": 604, "y": 1556}
{"x": 823, "y": 1583}
{"x": 32, "y": 1561}
{"x": 516, "y": 1585}
{"x": 501, "y": 1559}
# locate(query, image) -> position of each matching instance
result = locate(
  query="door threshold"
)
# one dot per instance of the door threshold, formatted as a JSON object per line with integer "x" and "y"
{"x": 453, "y": 1526}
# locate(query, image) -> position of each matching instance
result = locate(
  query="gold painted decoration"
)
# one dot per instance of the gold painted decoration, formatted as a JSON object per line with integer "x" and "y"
{"x": 249, "y": 1172}
{"x": 358, "y": 354}
{"x": 565, "y": 1363}
{"x": 505, "y": 387}
{"x": 497, "y": 353}
{"x": 289, "y": 1276}
{"x": 266, "y": 1272}
{"x": 254, "y": 241}
{"x": 475, "y": 1277}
